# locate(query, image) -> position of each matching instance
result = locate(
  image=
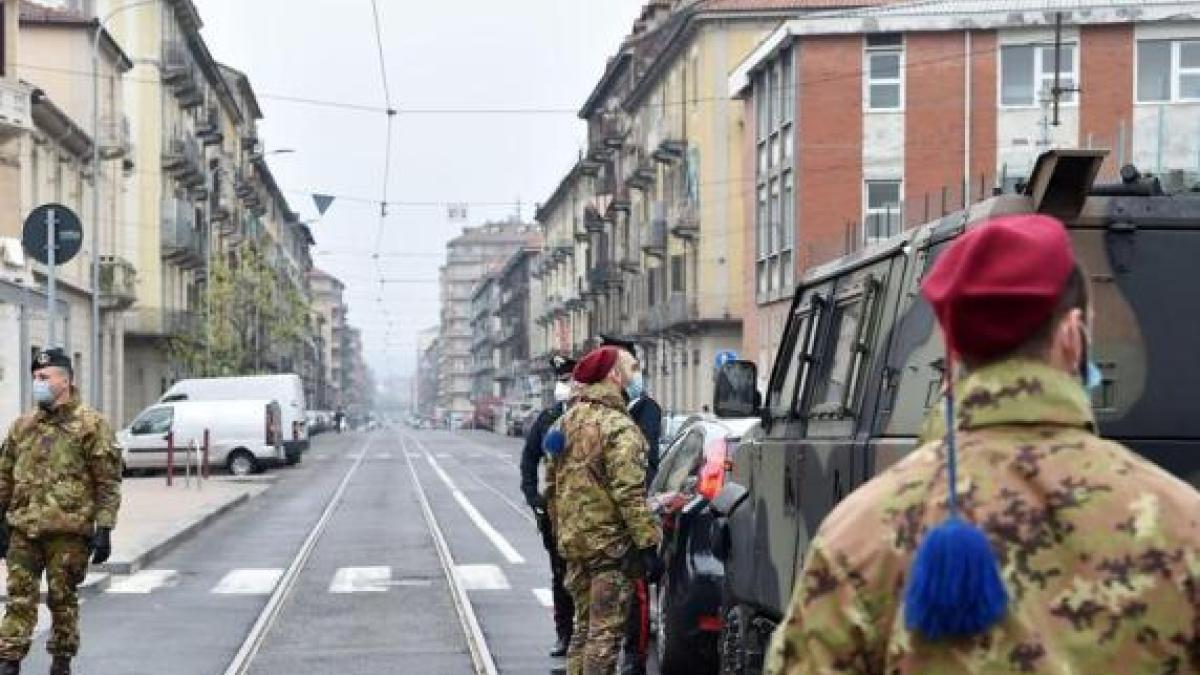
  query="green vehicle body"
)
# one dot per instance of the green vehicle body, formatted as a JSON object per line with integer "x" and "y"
{"x": 860, "y": 365}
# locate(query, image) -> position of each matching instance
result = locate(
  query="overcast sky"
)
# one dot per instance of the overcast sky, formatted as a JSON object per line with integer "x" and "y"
{"x": 446, "y": 56}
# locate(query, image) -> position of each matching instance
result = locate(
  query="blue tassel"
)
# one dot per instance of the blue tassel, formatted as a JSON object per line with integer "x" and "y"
{"x": 554, "y": 442}
{"x": 954, "y": 587}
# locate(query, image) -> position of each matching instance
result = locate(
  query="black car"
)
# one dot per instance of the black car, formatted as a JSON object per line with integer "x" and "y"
{"x": 688, "y": 612}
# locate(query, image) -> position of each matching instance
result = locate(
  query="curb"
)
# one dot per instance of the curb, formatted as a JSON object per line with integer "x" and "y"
{"x": 156, "y": 551}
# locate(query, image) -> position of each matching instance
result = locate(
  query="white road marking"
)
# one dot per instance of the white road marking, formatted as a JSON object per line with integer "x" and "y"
{"x": 544, "y": 596}
{"x": 249, "y": 582}
{"x": 143, "y": 582}
{"x": 383, "y": 455}
{"x": 506, "y": 549}
{"x": 482, "y": 578}
{"x": 415, "y": 583}
{"x": 413, "y": 455}
{"x": 361, "y": 580}
{"x": 443, "y": 455}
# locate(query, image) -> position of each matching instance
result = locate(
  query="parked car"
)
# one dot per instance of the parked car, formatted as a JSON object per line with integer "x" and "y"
{"x": 287, "y": 389}
{"x": 690, "y": 473}
{"x": 243, "y": 436}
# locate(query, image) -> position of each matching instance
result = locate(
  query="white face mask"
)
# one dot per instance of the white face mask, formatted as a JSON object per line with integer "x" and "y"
{"x": 562, "y": 391}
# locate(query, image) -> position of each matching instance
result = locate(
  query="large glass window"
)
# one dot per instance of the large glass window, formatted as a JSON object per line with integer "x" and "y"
{"x": 1168, "y": 71}
{"x": 884, "y": 67}
{"x": 775, "y": 210}
{"x": 1027, "y": 73}
{"x": 884, "y": 214}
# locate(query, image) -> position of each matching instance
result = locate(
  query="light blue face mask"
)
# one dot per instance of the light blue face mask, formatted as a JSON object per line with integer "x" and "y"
{"x": 636, "y": 387}
{"x": 43, "y": 395}
{"x": 1089, "y": 372}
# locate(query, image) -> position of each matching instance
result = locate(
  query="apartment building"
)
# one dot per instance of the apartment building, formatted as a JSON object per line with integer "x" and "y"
{"x": 518, "y": 305}
{"x": 470, "y": 257}
{"x": 46, "y": 145}
{"x": 485, "y": 343}
{"x": 645, "y": 232}
{"x": 427, "y": 371}
{"x": 329, "y": 310}
{"x": 863, "y": 123}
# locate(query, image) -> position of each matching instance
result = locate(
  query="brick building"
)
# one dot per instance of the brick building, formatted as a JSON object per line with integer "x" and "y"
{"x": 862, "y": 123}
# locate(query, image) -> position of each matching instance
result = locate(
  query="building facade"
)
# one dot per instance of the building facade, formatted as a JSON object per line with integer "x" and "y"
{"x": 428, "y": 346}
{"x": 470, "y": 257}
{"x": 865, "y": 123}
{"x": 329, "y": 310}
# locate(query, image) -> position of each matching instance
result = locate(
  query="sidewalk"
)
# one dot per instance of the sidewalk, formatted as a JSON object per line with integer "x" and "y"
{"x": 155, "y": 518}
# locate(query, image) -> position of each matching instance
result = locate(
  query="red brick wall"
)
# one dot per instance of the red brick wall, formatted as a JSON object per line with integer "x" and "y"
{"x": 1106, "y": 77}
{"x": 983, "y": 109}
{"x": 829, "y": 152}
{"x": 933, "y": 123}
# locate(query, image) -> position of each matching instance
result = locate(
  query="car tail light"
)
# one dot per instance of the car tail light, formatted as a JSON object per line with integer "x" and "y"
{"x": 711, "y": 624}
{"x": 295, "y": 431}
{"x": 712, "y": 474}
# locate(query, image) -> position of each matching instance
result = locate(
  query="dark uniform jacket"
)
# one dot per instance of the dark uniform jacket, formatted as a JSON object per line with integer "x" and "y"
{"x": 531, "y": 456}
{"x": 647, "y": 414}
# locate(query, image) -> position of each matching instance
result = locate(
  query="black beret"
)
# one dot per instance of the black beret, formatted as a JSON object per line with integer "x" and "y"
{"x": 51, "y": 357}
{"x": 620, "y": 343}
{"x": 562, "y": 365}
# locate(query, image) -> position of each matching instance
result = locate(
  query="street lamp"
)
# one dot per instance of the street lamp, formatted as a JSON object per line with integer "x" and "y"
{"x": 97, "y": 357}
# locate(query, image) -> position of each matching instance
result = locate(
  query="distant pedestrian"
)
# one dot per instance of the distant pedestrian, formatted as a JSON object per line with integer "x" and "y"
{"x": 531, "y": 461}
{"x": 647, "y": 414}
{"x": 339, "y": 420}
{"x": 597, "y": 488}
{"x": 60, "y": 489}
{"x": 1018, "y": 541}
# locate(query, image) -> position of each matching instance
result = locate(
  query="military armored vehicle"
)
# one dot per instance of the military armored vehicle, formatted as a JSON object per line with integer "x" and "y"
{"x": 860, "y": 364}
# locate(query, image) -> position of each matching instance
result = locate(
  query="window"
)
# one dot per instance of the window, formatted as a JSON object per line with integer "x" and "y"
{"x": 153, "y": 421}
{"x": 775, "y": 212}
{"x": 834, "y": 388}
{"x": 677, "y": 280}
{"x": 883, "y": 213}
{"x": 1168, "y": 71}
{"x": 884, "y": 65}
{"x": 1027, "y": 74}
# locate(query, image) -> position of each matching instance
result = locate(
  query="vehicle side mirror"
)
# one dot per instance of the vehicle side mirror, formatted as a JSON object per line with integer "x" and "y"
{"x": 736, "y": 391}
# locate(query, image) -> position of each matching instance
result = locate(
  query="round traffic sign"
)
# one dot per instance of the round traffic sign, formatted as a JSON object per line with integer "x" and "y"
{"x": 68, "y": 233}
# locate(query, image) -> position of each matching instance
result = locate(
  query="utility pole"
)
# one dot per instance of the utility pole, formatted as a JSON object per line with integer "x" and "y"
{"x": 1057, "y": 91}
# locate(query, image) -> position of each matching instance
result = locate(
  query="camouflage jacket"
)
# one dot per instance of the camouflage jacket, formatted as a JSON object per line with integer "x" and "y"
{"x": 1099, "y": 549}
{"x": 597, "y": 486}
{"x": 60, "y": 472}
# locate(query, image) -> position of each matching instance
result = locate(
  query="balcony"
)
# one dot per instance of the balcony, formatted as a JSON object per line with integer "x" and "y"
{"x": 630, "y": 263}
{"x": 620, "y": 200}
{"x": 643, "y": 174}
{"x": 665, "y": 143}
{"x": 160, "y": 322}
{"x": 115, "y": 138}
{"x": 654, "y": 234}
{"x": 118, "y": 289}
{"x": 614, "y": 128}
{"x": 182, "y": 238}
{"x": 179, "y": 72}
{"x": 208, "y": 128}
{"x": 181, "y": 159}
{"x": 16, "y": 107}
{"x": 685, "y": 219}
{"x": 561, "y": 247}
{"x": 681, "y": 309}
{"x": 593, "y": 222}
{"x": 606, "y": 274}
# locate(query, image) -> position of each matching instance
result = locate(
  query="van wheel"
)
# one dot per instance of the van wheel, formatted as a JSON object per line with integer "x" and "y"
{"x": 242, "y": 463}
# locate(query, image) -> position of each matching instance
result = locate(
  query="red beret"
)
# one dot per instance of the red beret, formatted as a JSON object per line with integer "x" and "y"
{"x": 995, "y": 286}
{"x": 596, "y": 365}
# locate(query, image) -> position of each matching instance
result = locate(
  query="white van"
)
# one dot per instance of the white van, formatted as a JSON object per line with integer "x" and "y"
{"x": 287, "y": 389}
{"x": 243, "y": 436}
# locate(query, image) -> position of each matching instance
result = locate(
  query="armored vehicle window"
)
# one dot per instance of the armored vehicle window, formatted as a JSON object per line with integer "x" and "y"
{"x": 853, "y": 319}
{"x": 783, "y": 389}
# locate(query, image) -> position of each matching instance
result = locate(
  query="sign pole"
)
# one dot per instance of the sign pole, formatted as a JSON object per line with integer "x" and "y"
{"x": 51, "y": 281}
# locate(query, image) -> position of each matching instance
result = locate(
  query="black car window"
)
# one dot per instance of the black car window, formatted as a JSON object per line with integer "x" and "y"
{"x": 154, "y": 421}
{"x": 680, "y": 462}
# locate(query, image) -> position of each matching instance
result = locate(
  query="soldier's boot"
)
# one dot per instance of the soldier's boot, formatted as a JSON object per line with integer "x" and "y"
{"x": 61, "y": 665}
{"x": 560, "y": 647}
{"x": 10, "y": 668}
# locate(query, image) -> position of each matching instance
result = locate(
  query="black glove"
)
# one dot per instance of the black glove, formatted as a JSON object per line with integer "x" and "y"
{"x": 3, "y": 538}
{"x": 644, "y": 563}
{"x": 535, "y": 502}
{"x": 101, "y": 545}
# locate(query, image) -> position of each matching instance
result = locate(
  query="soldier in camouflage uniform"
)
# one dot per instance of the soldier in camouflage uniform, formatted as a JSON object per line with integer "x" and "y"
{"x": 1097, "y": 549}
{"x": 60, "y": 488}
{"x": 597, "y": 502}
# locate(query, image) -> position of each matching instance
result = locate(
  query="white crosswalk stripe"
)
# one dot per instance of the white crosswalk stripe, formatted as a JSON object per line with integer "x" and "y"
{"x": 143, "y": 582}
{"x": 383, "y": 455}
{"x": 482, "y": 578}
{"x": 544, "y": 596}
{"x": 361, "y": 580}
{"x": 248, "y": 582}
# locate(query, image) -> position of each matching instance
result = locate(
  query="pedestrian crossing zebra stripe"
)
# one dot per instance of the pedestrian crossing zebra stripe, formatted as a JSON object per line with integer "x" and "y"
{"x": 248, "y": 582}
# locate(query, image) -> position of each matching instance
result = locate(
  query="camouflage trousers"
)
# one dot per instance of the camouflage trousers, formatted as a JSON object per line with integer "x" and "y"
{"x": 64, "y": 558}
{"x": 601, "y": 592}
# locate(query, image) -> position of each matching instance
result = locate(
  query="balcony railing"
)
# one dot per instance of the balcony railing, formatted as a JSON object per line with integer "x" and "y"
{"x": 654, "y": 234}
{"x": 181, "y": 158}
{"x": 614, "y": 127}
{"x": 118, "y": 283}
{"x": 159, "y": 322}
{"x": 115, "y": 137}
{"x": 685, "y": 220}
{"x": 603, "y": 275}
{"x": 180, "y": 73}
{"x": 182, "y": 238}
{"x": 208, "y": 128}
{"x": 16, "y": 107}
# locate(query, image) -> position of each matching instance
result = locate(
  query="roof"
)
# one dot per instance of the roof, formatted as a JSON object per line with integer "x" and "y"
{"x": 568, "y": 181}
{"x": 33, "y": 13}
{"x": 956, "y": 15}
{"x": 242, "y": 82}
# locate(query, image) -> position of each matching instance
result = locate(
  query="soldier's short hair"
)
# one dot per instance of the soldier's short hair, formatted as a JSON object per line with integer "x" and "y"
{"x": 1075, "y": 295}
